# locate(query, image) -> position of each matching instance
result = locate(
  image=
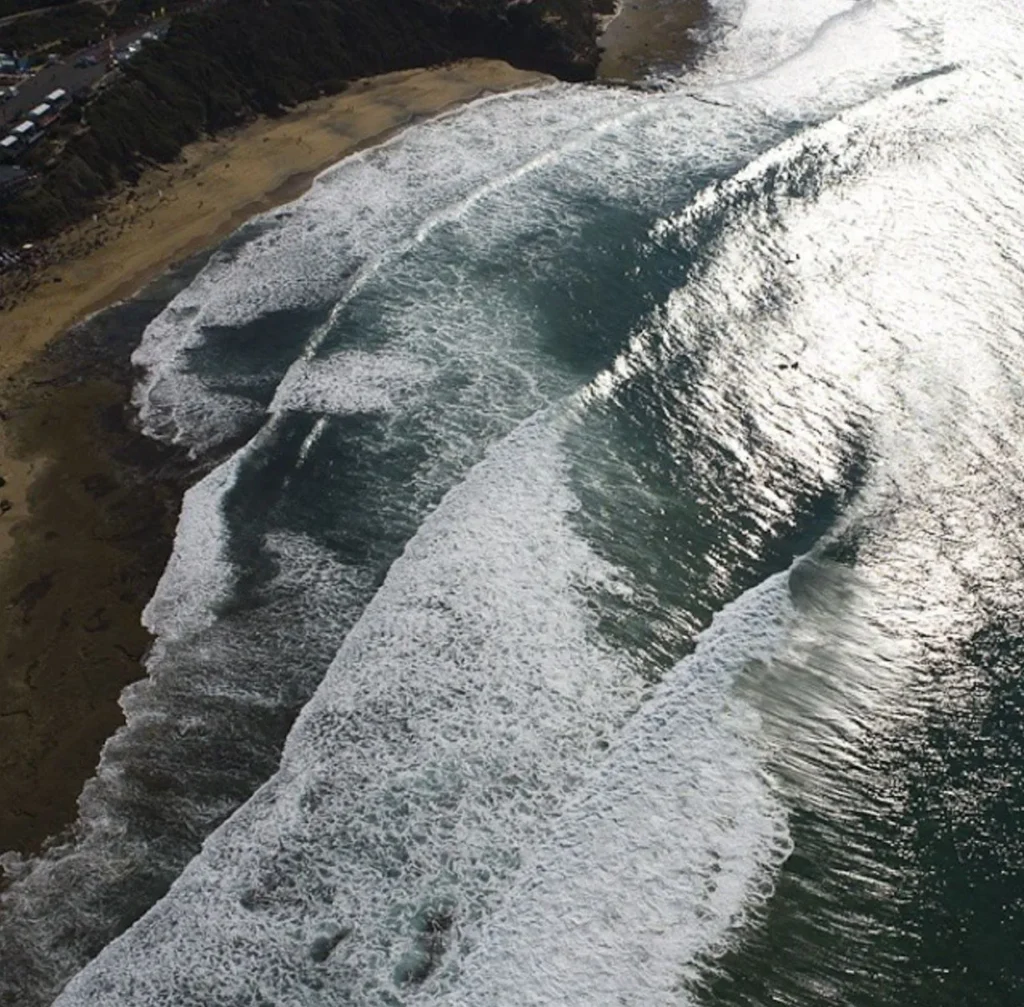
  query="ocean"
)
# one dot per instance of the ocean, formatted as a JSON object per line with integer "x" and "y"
{"x": 611, "y": 592}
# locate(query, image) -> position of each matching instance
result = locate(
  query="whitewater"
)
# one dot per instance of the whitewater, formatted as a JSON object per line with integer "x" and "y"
{"x": 611, "y": 593}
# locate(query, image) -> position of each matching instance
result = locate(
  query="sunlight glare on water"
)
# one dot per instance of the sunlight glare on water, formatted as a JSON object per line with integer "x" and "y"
{"x": 629, "y": 501}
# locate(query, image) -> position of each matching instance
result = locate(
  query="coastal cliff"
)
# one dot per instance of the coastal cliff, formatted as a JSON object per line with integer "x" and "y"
{"x": 227, "y": 63}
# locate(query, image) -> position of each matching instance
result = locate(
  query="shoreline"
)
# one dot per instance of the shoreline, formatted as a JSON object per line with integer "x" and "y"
{"x": 90, "y": 505}
{"x": 302, "y": 144}
{"x": 643, "y": 37}
{"x": 177, "y": 211}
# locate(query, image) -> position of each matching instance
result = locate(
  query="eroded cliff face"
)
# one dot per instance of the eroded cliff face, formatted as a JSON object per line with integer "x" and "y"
{"x": 235, "y": 59}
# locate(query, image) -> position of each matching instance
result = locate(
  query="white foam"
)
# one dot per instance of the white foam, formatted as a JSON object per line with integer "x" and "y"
{"x": 457, "y": 712}
{"x": 461, "y": 713}
{"x": 663, "y": 853}
{"x": 790, "y": 45}
{"x": 350, "y": 381}
{"x": 803, "y": 59}
{"x": 367, "y": 213}
{"x": 356, "y": 216}
{"x": 756, "y": 35}
{"x": 198, "y": 575}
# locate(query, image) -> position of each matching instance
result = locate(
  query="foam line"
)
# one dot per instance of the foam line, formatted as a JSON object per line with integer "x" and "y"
{"x": 666, "y": 849}
{"x": 460, "y": 713}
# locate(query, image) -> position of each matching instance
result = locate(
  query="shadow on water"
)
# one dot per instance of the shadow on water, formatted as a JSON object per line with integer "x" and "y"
{"x": 249, "y": 361}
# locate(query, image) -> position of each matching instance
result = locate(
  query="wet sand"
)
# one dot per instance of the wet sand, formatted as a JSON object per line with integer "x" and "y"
{"x": 103, "y": 502}
{"x": 87, "y": 505}
{"x": 650, "y": 36}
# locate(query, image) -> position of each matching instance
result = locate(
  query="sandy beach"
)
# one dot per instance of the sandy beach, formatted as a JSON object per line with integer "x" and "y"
{"x": 648, "y": 36}
{"x": 89, "y": 506}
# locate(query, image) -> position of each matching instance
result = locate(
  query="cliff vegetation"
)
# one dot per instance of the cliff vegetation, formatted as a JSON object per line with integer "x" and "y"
{"x": 225, "y": 64}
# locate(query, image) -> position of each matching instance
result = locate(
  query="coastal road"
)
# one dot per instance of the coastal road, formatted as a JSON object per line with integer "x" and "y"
{"x": 67, "y": 76}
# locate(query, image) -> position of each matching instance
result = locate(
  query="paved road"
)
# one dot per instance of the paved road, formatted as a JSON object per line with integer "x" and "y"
{"x": 64, "y": 75}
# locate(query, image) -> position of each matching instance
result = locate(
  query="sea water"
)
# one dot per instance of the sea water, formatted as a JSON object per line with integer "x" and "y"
{"x": 612, "y": 591}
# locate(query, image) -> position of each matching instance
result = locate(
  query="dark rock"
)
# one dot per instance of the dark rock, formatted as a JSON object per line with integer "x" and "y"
{"x": 322, "y": 946}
